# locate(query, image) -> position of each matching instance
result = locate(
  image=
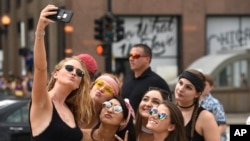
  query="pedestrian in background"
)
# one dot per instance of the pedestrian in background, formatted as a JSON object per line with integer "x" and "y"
{"x": 28, "y": 82}
{"x": 214, "y": 106}
{"x": 152, "y": 98}
{"x": 19, "y": 88}
{"x": 200, "y": 124}
{"x": 166, "y": 122}
{"x": 56, "y": 109}
{"x": 142, "y": 77}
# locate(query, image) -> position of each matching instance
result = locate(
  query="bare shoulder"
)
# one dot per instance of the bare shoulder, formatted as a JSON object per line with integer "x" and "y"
{"x": 206, "y": 125}
{"x": 205, "y": 115}
{"x": 205, "y": 118}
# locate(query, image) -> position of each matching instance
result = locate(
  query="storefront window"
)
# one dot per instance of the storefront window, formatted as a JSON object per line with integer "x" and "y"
{"x": 234, "y": 75}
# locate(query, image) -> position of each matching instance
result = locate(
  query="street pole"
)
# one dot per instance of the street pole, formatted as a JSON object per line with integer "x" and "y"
{"x": 108, "y": 57}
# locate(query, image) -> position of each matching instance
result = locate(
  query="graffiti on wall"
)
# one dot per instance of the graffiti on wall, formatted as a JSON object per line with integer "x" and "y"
{"x": 227, "y": 33}
{"x": 160, "y": 33}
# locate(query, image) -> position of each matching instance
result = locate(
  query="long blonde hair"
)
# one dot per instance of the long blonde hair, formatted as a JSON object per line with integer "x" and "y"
{"x": 79, "y": 100}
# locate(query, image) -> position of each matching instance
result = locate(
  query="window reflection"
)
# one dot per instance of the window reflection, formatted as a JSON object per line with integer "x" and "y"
{"x": 234, "y": 75}
{"x": 19, "y": 116}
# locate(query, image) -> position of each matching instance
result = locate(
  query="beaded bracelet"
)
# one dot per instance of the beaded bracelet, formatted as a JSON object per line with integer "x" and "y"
{"x": 39, "y": 36}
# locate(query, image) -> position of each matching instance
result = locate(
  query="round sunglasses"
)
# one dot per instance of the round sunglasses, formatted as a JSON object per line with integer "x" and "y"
{"x": 116, "y": 108}
{"x": 160, "y": 116}
{"x": 71, "y": 68}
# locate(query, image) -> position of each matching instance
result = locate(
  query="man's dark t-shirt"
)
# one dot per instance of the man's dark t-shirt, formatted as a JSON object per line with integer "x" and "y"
{"x": 134, "y": 88}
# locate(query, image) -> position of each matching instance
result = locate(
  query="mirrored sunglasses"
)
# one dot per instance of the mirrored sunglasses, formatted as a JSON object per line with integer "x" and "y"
{"x": 71, "y": 68}
{"x": 107, "y": 89}
{"x": 116, "y": 108}
{"x": 160, "y": 116}
{"x": 136, "y": 56}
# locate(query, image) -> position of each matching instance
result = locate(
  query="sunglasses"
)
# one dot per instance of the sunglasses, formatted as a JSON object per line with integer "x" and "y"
{"x": 107, "y": 89}
{"x": 160, "y": 116}
{"x": 70, "y": 68}
{"x": 116, "y": 108}
{"x": 136, "y": 56}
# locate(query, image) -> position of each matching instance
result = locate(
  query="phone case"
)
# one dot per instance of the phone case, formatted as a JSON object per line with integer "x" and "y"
{"x": 63, "y": 15}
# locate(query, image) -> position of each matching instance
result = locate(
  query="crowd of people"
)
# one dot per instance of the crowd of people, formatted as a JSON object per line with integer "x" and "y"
{"x": 16, "y": 86}
{"x": 71, "y": 104}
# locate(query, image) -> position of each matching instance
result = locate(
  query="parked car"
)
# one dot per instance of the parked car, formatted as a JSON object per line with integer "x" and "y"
{"x": 4, "y": 94}
{"x": 14, "y": 120}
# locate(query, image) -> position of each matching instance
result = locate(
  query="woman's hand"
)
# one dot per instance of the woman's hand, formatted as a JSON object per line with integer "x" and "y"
{"x": 125, "y": 138}
{"x": 43, "y": 20}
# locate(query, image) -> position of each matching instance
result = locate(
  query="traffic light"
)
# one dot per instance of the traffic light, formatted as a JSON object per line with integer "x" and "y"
{"x": 119, "y": 30}
{"x": 100, "y": 49}
{"x": 99, "y": 29}
{"x": 103, "y": 49}
{"x": 108, "y": 28}
{"x": 106, "y": 51}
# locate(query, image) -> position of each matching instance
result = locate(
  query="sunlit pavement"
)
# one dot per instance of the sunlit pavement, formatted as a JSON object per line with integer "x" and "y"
{"x": 236, "y": 118}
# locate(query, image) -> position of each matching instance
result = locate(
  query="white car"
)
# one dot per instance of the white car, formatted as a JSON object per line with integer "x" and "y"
{"x": 248, "y": 120}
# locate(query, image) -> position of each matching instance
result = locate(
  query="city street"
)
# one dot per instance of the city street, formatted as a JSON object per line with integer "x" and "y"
{"x": 236, "y": 118}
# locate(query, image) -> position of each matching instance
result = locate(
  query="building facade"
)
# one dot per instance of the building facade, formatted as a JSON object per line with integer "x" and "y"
{"x": 178, "y": 31}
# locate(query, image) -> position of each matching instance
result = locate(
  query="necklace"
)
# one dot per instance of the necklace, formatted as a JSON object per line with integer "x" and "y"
{"x": 185, "y": 107}
{"x": 146, "y": 130}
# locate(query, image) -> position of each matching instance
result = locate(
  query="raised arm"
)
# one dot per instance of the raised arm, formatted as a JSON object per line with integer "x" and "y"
{"x": 40, "y": 98}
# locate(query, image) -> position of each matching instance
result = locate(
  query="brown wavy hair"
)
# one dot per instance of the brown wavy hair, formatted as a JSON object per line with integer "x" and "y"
{"x": 201, "y": 76}
{"x": 178, "y": 134}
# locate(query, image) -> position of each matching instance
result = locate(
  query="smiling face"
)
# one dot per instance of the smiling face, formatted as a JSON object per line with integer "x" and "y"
{"x": 151, "y": 99}
{"x": 159, "y": 119}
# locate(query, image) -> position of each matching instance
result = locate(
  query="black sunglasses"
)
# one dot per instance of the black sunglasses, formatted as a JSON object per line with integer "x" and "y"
{"x": 70, "y": 68}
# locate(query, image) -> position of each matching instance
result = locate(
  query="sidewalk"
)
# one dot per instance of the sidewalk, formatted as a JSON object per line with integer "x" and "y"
{"x": 235, "y": 118}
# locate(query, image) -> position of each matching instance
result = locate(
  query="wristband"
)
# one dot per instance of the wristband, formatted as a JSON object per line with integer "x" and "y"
{"x": 39, "y": 36}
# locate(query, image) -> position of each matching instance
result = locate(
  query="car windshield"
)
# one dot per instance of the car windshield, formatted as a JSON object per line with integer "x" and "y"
{"x": 5, "y": 103}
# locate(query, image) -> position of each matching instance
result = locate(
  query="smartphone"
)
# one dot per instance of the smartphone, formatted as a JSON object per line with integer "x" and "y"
{"x": 62, "y": 15}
